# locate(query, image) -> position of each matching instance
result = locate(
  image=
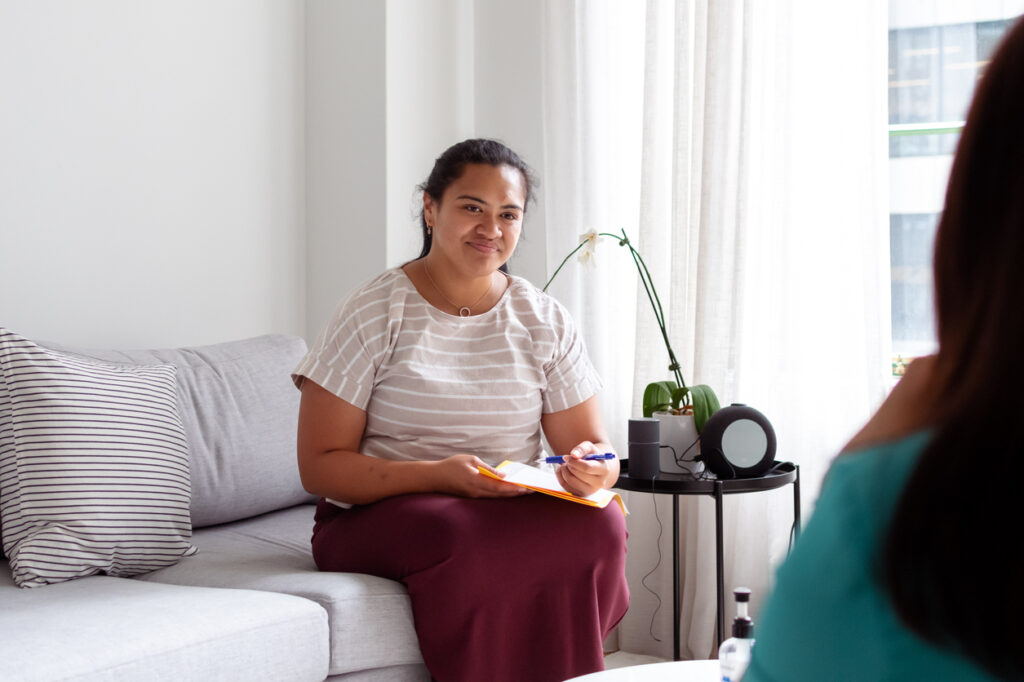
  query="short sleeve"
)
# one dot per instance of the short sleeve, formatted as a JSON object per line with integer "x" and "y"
{"x": 341, "y": 359}
{"x": 571, "y": 378}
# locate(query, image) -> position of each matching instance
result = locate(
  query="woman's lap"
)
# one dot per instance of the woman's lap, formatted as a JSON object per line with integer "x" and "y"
{"x": 491, "y": 579}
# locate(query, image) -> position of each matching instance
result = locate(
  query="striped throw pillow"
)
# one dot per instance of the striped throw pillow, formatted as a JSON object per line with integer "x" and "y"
{"x": 94, "y": 473}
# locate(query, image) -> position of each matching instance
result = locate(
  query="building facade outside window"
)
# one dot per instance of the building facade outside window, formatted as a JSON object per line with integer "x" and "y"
{"x": 937, "y": 53}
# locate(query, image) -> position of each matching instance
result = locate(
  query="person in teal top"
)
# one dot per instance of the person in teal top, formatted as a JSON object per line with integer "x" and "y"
{"x": 829, "y": 618}
{"x": 911, "y": 566}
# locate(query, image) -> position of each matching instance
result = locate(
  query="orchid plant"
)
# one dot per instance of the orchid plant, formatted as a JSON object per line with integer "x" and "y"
{"x": 659, "y": 396}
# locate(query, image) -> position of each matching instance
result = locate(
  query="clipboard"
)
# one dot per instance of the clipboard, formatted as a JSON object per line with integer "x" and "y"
{"x": 546, "y": 482}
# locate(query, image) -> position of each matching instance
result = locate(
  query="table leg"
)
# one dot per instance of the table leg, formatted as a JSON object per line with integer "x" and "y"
{"x": 719, "y": 562}
{"x": 675, "y": 578}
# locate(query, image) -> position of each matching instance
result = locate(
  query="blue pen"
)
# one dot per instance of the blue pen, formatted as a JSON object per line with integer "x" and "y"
{"x": 560, "y": 459}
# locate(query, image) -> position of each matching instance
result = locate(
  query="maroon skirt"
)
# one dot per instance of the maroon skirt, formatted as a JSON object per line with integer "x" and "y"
{"x": 521, "y": 588}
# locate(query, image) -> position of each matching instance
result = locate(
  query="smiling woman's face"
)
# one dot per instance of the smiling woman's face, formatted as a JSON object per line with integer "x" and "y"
{"x": 477, "y": 222}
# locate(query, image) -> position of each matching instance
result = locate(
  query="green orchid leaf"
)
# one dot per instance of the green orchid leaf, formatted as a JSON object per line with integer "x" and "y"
{"x": 679, "y": 397}
{"x": 658, "y": 397}
{"x": 705, "y": 404}
{"x": 700, "y": 409}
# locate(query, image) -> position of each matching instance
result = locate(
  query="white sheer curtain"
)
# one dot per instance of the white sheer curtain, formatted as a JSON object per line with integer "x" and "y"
{"x": 742, "y": 145}
{"x": 590, "y": 178}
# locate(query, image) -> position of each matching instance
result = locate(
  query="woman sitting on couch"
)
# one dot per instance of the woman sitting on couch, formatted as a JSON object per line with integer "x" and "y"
{"x": 428, "y": 372}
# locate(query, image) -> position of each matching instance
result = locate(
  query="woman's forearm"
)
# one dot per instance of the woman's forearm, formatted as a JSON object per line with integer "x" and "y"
{"x": 360, "y": 479}
{"x": 329, "y": 436}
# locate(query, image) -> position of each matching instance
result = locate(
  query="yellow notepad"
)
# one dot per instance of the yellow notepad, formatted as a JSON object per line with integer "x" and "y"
{"x": 546, "y": 482}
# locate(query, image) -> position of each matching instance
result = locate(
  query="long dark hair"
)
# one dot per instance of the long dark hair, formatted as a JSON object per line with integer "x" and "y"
{"x": 952, "y": 562}
{"x": 449, "y": 167}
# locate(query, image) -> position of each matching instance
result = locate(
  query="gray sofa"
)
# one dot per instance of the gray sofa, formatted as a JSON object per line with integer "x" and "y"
{"x": 249, "y": 604}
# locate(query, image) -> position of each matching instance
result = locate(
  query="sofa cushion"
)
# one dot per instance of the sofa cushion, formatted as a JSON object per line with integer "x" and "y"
{"x": 240, "y": 411}
{"x": 392, "y": 673}
{"x": 370, "y": 618}
{"x": 104, "y": 628}
{"x": 93, "y": 466}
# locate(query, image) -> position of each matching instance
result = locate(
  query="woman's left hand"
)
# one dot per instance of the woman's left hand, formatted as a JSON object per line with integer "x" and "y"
{"x": 583, "y": 476}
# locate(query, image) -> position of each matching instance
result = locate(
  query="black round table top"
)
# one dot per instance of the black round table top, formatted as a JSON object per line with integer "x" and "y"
{"x": 782, "y": 473}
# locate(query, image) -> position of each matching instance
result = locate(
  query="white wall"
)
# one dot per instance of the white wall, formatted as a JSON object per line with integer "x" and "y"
{"x": 179, "y": 173}
{"x": 346, "y": 197}
{"x": 151, "y": 173}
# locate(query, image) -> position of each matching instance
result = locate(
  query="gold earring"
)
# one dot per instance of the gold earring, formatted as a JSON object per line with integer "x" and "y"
{"x": 429, "y": 229}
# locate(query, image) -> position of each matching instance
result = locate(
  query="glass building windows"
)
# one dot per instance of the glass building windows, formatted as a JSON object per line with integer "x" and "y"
{"x": 936, "y": 57}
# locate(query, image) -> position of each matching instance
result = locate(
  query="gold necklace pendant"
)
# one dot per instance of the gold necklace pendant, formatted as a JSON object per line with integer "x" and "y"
{"x": 464, "y": 310}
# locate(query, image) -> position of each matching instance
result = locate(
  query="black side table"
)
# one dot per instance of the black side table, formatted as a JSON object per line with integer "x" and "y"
{"x": 675, "y": 485}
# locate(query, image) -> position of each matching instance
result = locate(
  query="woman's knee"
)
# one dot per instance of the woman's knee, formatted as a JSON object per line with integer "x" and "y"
{"x": 441, "y": 523}
{"x": 394, "y": 536}
{"x": 607, "y": 529}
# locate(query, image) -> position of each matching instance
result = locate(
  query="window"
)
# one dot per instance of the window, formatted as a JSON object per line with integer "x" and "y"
{"x": 936, "y": 56}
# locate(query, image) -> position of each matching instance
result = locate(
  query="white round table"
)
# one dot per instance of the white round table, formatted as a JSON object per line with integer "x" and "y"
{"x": 674, "y": 671}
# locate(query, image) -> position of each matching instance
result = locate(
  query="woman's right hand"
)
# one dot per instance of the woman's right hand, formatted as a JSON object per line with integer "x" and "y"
{"x": 458, "y": 475}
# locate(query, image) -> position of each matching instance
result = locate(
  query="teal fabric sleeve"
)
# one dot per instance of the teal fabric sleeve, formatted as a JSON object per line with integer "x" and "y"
{"x": 828, "y": 618}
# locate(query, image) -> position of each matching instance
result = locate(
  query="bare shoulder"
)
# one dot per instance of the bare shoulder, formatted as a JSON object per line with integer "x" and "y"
{"x": 902, "y": 412}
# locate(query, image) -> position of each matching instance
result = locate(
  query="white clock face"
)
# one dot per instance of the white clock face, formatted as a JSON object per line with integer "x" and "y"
{"x": 744, "y": 443}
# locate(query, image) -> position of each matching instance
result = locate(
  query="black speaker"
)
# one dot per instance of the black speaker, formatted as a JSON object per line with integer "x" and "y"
{"x": 738, "y": 442}
{"x": 644, "y": 444}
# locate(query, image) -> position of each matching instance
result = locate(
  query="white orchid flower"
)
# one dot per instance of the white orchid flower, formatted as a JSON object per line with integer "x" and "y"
{"x": 586, "y": 258}
{"x": 587, "y": 251}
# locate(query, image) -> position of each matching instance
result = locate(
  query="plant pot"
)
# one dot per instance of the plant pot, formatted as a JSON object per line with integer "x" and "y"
{"x": 680, "y": 432}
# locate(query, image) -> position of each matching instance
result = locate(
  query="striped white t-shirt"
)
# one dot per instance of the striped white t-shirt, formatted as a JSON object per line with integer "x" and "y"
{"x": 434, "y": 385}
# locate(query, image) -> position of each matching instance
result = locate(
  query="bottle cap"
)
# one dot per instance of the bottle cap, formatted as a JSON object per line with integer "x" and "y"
{"x": 742, "y": 594}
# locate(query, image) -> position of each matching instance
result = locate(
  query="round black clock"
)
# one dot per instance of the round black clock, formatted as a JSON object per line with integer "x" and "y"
{"x": 738, "y": 442}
